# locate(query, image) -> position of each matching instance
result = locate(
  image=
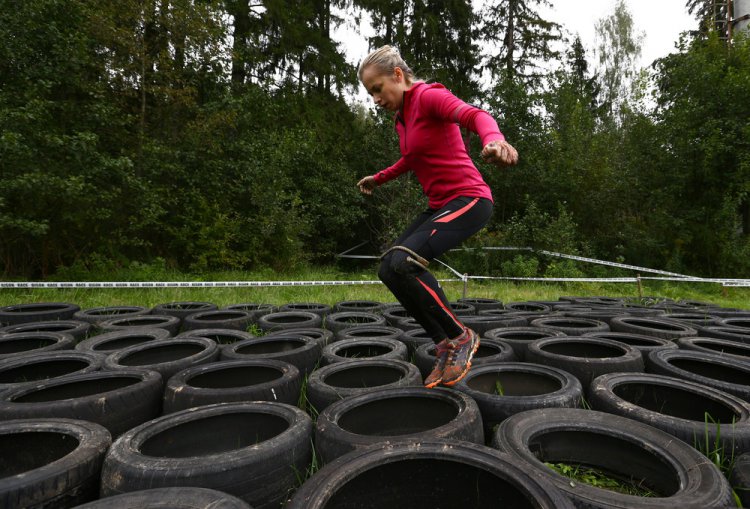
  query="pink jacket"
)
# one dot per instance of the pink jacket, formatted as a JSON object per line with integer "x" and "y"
{"x": 432, "y": 146}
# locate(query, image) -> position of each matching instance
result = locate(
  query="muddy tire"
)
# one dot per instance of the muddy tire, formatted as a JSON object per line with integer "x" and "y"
{"x": 405, "y": 413}
{"x": 119, "y": 340}
{"x": 721, "y": 372}
{"x": 692, "y": 412}
{"x": 502, "y": 390}
{"x": 646, "y": 344}
{"x": 309, "y": 307}
{"x": 20, "y": 344}
{"x": 322, "y": 336}
{"x": 182, "y": 310}
{"x": 46, "y": 366}
{"x": 585, "y": 357}
{"x": 117, "y": 400}
{"x": 255, "y": 310}
{"x": 369, "y": 332}
{"x": 101, "y": 314}
{"x": 284, "y": 320}
{"x": 254, "y": 451}
{"x": 678, "y": 474}
{"x": 373, "y": 348}
{"x": 740, "y": 479}
{"x": 220, "y": 336}
{"x": 723, "y": 347}
{"x": 336, "y": 322}
{"x": 218, "y": 319}
{"x": 569, "y": 325}
{"x": 169, "y": 498}
{"x": 167, "y": 356}
{"x": 431, "y": 473}
{"x": 368, "y": 306}
{"x": 301, "y": 351}
{"x": 37, "y": 312}
{"x": 519, "y": 338}
{"x": 652, "y": 326}
{"x": 166, "y": 322}
{"x": 481, "y": 304}
{"x": 50, "y": 462}
{"x": 343, "y": 379}
{"x": 76, "y": 328}
{"x": 232, "y": 381}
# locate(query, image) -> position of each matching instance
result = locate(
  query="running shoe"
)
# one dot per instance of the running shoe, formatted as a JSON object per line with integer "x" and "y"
{"x": 461, "y": 351}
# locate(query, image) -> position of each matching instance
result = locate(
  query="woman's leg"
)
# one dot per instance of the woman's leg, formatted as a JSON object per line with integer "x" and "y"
{"x": 429, "y": 237}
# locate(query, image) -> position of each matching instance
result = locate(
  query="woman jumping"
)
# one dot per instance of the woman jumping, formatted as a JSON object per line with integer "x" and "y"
{"x": 427, "y": 118}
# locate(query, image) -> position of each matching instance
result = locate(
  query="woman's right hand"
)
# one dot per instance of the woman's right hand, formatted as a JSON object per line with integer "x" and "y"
{"x": 367, "y": 184}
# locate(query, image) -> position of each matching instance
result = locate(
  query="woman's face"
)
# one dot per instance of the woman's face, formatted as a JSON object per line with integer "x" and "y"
{"x": 387, "y": 90}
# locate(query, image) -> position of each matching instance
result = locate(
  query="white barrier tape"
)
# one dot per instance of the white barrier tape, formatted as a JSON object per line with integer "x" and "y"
{"x": 576, "y": 258}
{"x": 562, "y": 279}
{"x": 185, "y": 284}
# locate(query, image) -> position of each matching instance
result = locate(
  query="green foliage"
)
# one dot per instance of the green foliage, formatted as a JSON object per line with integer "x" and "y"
{"x": 600, "y": 479}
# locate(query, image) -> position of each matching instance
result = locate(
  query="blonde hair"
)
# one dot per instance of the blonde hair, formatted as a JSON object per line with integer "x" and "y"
{"x": 386, "y": 59}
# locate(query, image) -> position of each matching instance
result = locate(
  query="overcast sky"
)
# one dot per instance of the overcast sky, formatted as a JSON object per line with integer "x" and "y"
{"x": 660, "y": 21}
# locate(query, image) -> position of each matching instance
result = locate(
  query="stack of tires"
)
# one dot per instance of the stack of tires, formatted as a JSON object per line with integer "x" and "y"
{"x": 309, "y": 405}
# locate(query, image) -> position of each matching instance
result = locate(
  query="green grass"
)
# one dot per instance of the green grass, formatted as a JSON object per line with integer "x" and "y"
{"x": 600, "y": 479}
{"x": 502, "y": 290}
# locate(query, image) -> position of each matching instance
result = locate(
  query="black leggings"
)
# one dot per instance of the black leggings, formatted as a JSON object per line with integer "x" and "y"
{"x": 431, "y": 234}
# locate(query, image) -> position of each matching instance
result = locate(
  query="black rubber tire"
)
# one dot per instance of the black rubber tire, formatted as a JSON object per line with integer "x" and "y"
{"x": 506, "y": 319}
{"x": 742, "y": 322}
{"x": 182, "y": 310}
{"x": 301, "y": 351}
{"x": 721, "y": 372}
{"x": 46, "y": 366}
{"x": 698, "y": 415}
{"x": 310, "y": 307}
{"x": 254, "y": 451}
{"x": 569, "y": 325}
{"x": 220, "y": 336}
{"x": 37, "y": 312}
{"x": 166, "y": 322}
{"x": 723, "y": 347}
{"x": 415, "y": 338}
{"x": 76, "y": 328}
{"x": 344, "y": 379}
{"x": 369, "y": 332}
{"x": 695, "y": 319}
{"x": 602, "y": 315}
{"x": 490, "y": 351}
{"x": 338, "y": 321}
{"x": 218, "y": 319}
{"x": 24, "y": 343}
{"x": 50, "y": 463}
{"x": 651, "y": 326}
{"x": 368, "y": 306}
{"x": 482, "y": 304}
{"x": 255, "y": 310}
{"x": 186, "y": 497}
{"x": 119, "y": 340}
{"x": 393, "y": 314}
{"x": 101, "y": 314}
{"x": 407, "y": 324}
{"x": 739, "y": 334}
{"x": 585, "y": 357}
{"x": 396, "y": 414}
{"x": 372, "y": 348}
{"x": 283, "y": 320}
{"x": 483, "y": 323}
{"x": 528, "y": 307}
{"x": 167, "y": 356}
{"x": 627, "y": 449}
{"x": 319, "y": 334}
{"x": 117, "y": 400}
{"x": 645, "y": 344}
{"x": 740, "y": 479}
{"x": 519, "y": 338}
{"x": 430, "y": 473}
{"x": 228, "y": 381}
{"x": 524, "y": 386}
{"x": 462, "y": 309}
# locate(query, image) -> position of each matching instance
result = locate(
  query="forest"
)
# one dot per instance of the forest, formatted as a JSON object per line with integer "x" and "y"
{"x": 223, "y": 134}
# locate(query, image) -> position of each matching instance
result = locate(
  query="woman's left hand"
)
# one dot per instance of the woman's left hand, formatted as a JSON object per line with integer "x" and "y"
{"x": 500, "y": 153}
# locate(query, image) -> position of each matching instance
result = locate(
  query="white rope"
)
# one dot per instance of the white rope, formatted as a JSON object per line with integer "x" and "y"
{"x": 184, "y": 284}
